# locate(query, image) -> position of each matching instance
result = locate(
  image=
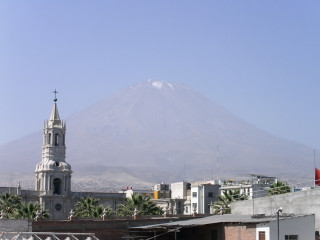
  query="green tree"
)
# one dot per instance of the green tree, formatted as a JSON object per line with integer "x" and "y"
{"x": 9, "y": 204}
{"x": 279, "y": 188}
{"x": 29, "y": 211}
{"x": 89, "y": 207}
{"x": 222, "y": 206}
{"x": 144, "y": 205}
{"x": 13, "y": 207}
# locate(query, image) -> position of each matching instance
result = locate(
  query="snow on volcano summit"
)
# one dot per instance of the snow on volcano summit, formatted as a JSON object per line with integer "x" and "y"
{"x": 157, "y": 85}
{"x": 161, "y": 85}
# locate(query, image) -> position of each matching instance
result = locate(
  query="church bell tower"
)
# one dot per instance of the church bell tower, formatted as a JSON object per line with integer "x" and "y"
{"x": 53, "y": 174}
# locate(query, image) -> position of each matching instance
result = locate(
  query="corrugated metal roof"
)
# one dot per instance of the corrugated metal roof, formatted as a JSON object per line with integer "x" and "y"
{"x": 228, "y": 218}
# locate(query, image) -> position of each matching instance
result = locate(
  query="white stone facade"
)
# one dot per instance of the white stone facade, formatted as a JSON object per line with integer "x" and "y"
{"x": 53, "y": 174}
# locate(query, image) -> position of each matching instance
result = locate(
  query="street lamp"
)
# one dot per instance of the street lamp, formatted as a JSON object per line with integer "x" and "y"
{"x": 278, "y": 211}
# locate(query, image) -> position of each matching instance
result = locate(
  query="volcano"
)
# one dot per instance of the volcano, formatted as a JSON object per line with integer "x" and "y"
{"x": 159, "y": 131}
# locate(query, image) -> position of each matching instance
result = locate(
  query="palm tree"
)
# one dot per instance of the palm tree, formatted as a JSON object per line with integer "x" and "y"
{"x": 29, "y": 211}
{"x": 9, "y": 204}
{"x": 100, "y": 210}
{"x": 279, "y": 188}
{"x": 144, "y": 205}
{"x": 89, "y": 207}
{"x": 222, "y": 206}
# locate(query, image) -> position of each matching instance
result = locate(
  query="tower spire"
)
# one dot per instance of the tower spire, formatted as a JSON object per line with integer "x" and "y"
{"x": 55, "y": 117}
{"x": 55, "y": 114}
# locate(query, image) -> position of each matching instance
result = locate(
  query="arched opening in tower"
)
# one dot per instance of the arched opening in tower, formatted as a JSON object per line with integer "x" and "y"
{"x": 56, "y": 139}
{"x": 57, "y": 186}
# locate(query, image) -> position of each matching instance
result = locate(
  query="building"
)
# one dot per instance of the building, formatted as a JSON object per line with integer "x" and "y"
{"x": 231, "y": 227}
{"x": 181, "y": 193}
{"x": 162, "y": 191}
{"x": 144, "y": 192}
{"x": 202, "y": 197}
{"x": 254, "y": 188}
{"x": 170, "y": 198}
{"x": 198, "y": 197}
{"x": 53, "y": 175}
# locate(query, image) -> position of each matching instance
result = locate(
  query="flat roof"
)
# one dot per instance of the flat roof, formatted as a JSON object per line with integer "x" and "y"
{"x": 227, "y": 218}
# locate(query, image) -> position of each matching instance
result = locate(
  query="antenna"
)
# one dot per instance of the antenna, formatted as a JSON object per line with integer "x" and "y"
{"x": 217, "y": 162}
{"x": 315, "y": 168}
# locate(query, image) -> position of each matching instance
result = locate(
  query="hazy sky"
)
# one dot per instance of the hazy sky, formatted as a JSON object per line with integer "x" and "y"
{"x": 259, "y": 59}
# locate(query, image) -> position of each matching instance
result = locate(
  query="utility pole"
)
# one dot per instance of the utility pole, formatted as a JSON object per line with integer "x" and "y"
{"x": 278, "y": 222}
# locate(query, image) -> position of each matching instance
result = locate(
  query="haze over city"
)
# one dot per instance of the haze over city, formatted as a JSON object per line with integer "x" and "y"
{"x": 259, "y": 60}
{"x": 159, "y": 120}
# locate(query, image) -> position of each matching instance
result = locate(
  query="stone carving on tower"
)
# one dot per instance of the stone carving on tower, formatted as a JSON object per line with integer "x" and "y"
{"x": 53, "y": 173}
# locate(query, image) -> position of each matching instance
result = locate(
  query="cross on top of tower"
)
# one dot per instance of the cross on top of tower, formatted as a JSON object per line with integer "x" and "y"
{"x": 55, "y": 95}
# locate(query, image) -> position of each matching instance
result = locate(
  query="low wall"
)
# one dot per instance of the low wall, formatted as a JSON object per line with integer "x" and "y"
{"x": 15, "y": 225}
{"x": 109, "y": 229}
{"x": 303, "y": 202}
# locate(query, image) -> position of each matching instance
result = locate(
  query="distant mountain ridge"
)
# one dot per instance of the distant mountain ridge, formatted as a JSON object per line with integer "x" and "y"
{"x": 151, "y": 130}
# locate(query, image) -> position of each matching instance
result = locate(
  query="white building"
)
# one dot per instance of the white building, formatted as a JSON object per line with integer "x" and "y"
{"x": 254, "y": 188}
{"x": 202, "y": 196}
{"x": 179, "y": 190}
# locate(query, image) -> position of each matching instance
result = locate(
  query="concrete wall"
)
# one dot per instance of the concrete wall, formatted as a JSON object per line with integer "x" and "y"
{"x": 304, "y": 202}
{"x": 9, "y": 190}
{"x": 15, "y": 225}
{"x": 179, "y": 190}
{"x": 215, "y": 191}
{"x": 302, "y": 226}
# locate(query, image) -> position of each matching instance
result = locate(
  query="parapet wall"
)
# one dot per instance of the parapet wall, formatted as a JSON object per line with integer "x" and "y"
{"x": 114, "y": 229}
{"x": 15, "y": 225}
{"x": 303, "y": 202}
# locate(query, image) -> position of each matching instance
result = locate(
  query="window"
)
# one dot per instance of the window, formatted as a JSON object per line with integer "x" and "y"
{"x": 194, "y": 194}
{"x": 64, "y": 139}
{"x": 57, "y": 186}
{"x": 210, "y": 194}
{"x": 56, "y": 139}
{"x": 186, "y": 209}
{"x": 58, "y": 207}
{"x": 194, "y": 206}
{"x": 49, "y": 138}
{"x": 291, "y": 237}
{"x": 50, "y": 182}
{"x": 39, "y": 184}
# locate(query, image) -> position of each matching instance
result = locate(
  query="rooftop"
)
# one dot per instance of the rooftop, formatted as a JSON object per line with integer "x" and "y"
{"x": 228, "y": 218}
